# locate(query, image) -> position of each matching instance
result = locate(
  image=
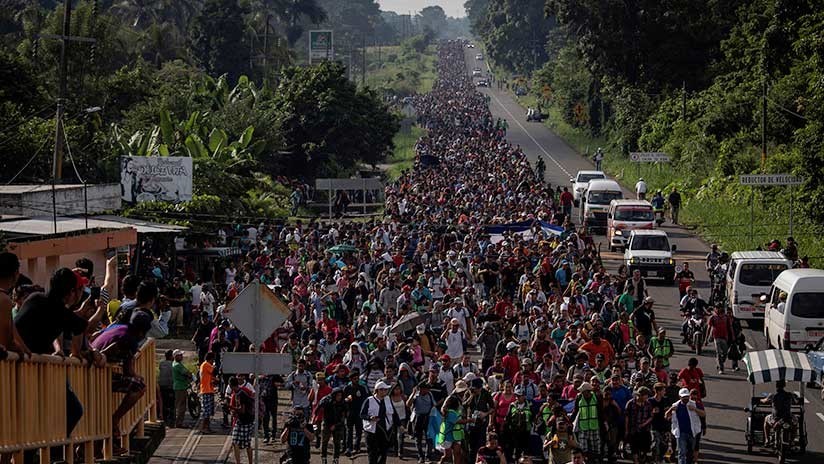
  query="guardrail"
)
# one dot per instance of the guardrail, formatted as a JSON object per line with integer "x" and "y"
{"x": 33, "y": 404}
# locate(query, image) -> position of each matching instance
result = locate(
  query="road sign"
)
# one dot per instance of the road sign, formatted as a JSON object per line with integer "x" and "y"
{"x": 244, "y": 363}
{"x": 771, "y": 179}
{"x": 257, "y": 312}
{"x": 321, "y": 46}
{"x": 649, "y": 157}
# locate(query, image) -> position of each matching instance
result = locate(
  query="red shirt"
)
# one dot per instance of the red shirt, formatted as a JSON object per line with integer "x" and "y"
{"x": 512, "y": 365}
{"x": 602, "y": 348}
{"x": 719, "y": 327}
{"x": 566, "y": 198}
{"x": 691, "y": 378}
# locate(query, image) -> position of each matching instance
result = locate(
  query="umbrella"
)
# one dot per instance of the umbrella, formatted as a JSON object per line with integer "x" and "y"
{"x": 408, "y": 322}
{"x": 343, "y": 248}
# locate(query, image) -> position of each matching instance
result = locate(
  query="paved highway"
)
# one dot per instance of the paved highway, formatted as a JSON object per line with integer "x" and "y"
{"x": 729, "y": 393}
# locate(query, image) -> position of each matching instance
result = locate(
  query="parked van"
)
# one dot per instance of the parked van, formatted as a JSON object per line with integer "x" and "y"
{"x": 596, "y": 200}
{"x": 794, "y": 315}
{"x": 749, "y": 276}
{"x": 625, "y": 216}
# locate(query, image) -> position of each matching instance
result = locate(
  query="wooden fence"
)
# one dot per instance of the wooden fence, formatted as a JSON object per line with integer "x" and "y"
{"x": 33, "y": 402}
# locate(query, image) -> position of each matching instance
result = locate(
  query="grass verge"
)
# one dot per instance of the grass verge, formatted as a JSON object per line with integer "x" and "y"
{"x": 404, "y": 73}
{"x": 728, "y": 218}
{"x": 404, "y": 155}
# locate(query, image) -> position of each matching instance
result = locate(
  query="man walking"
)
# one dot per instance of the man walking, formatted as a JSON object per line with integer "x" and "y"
{"x": 685, "y": 420}
{"x": 377, "y": 415}
{"x": 719, "y": 329}
{"x": 674, "y": 200}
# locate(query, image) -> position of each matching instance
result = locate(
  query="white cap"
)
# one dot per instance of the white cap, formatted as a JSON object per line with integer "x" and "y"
{"x": 381, "y": 385}
{"x": 684, "y": 392}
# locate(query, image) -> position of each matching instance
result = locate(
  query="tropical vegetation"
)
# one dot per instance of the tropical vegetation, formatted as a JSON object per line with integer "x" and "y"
{"x": 692, "y": 79}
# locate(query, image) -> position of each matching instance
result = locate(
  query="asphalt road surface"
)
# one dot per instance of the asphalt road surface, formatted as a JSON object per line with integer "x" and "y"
{"x": 728, "y": 394}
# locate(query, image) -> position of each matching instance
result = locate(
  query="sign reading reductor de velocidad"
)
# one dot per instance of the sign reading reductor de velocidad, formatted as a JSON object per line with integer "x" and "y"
{"x": 649, "y": 157}
{"x": 771, "y": 179}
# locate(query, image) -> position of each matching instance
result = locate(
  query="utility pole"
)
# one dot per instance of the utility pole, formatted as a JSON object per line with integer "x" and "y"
{"x": 266, "y": 48}
{"x": 363, "y": 60}
{"x": 57, "y": 157}
{"x": 764, "y": 122}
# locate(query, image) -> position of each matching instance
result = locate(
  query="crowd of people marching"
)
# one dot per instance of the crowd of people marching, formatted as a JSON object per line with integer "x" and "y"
{"x": 431, "y": 335}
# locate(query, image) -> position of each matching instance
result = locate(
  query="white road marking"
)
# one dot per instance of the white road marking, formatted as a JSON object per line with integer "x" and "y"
{"x": 806, "y": 401}
{"x": 530, "y": 135}
{"x": 820, "y": 416}
{"x": 748, "y": 345}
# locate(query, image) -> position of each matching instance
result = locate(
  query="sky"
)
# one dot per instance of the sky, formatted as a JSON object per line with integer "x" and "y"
{"x": 452, "y": 8}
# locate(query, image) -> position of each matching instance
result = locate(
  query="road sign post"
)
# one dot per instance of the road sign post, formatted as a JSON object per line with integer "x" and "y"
{"x": 648, "y": 157}
{"x": 257, "y": 312}
{"x": 769, "y": 180}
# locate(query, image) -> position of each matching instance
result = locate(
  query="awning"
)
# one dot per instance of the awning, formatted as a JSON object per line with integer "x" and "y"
{"x": 773, "y": 365}
{"x": 45, "y": 225}
{"x": 214, "y": 252}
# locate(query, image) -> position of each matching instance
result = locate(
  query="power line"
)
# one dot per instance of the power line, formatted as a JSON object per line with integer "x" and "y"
{"x": 774, "y": 103}
{"x": 43, "y": 145}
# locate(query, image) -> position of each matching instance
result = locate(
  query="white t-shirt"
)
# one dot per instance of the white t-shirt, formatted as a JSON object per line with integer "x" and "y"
{"x": 641, "y": 187}
{"x": 454, "y": 344}
{"x": 230, "y": 275}
{"x": 252, "y": 233}
{"x": 197, "y": 293}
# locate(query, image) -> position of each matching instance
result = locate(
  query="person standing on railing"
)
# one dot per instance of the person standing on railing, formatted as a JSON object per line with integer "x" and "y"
{"x": 120, "y": 344}
{"x": 46, "y": 318}
{"x": 181, "y": 378}
{"x": 9, "y": 337}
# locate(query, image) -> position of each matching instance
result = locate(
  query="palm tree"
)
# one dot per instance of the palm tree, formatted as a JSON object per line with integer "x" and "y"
{"x": 293, "y": 13}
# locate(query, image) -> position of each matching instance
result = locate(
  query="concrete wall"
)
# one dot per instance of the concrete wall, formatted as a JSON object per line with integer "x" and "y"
{"x": 69, "y": 199}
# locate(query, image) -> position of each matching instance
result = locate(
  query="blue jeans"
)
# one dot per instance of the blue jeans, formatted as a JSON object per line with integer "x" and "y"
{"x": 686, "y": 448}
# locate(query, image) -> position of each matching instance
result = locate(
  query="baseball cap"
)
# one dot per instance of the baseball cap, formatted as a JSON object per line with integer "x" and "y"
{"x": 684, "y": 392}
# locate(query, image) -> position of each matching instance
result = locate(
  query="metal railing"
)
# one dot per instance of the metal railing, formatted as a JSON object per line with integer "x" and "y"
{"x": 33, "y": 401}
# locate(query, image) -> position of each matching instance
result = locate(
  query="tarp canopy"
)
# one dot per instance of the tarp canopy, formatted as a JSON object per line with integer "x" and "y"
{"x": 773, "y": 365}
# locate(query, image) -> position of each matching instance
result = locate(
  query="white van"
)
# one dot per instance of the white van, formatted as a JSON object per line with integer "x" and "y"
{"x": 625, "y": 216}
{"x": 794, "y": 315}
{"x": 580, "y": 182}
{"x": 596, "y": 200}
{"x": 749, "y": 276}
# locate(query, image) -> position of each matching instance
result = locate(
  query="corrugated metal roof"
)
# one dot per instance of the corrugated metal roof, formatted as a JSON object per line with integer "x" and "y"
{"x": 45, "y": 225}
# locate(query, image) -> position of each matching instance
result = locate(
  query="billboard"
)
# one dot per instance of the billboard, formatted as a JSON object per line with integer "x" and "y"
{"x": 321, "y": 46}
{"x": 156, "y": 178}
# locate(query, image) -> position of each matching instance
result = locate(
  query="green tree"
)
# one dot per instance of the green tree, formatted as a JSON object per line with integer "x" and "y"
{"x": 434, "y": 19}
{"x": 327, "y": 123}
{"x": 217, "y": 38}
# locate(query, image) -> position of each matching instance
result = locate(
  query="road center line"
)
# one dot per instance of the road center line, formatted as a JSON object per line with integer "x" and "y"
{"x": 820, "y": 416}
{"x": 530, "y": 135}
{"x": 748, "y": 345}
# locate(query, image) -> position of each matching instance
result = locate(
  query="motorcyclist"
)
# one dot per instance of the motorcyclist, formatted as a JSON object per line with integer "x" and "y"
{"x": 684, "y": 278}
{"x": 782, "y": 402}
{"x": 692, "y": 305}
{"x": 713, "y": 257}
{"x": 658, "y": 201}
{"x": 641, "y": 188}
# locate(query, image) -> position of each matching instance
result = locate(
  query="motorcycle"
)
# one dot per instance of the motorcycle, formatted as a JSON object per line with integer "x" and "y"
{"x": 696, "y": 328}
{"x": 783, "y": 433}
{"x": 718, "y": 292}
{"x": 659, "y": 216}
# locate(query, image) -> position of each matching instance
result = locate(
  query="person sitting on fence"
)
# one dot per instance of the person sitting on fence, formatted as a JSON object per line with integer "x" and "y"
{"x": 120, "y": 344}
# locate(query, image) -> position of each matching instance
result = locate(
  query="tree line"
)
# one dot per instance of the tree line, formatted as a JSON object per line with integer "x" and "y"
{"x": 689, "y": 78}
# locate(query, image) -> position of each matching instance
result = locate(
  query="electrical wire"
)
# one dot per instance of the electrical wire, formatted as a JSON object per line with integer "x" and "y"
{"x": 787, "y": 110}
{"x": 71, "y": 158}
{"x": 43, "y": 145}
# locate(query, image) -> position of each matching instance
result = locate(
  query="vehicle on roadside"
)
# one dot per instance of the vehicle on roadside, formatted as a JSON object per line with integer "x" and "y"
{"x": 650, "y": 252}
{"x": 476, "y": 72}
{"x": 482, "y": 83}
{"x": 749, "y": 277}
{"x": 595, "y": 203}
{"x": 794, "y": 311}
{"x": 479, "y": 57}
{"x": 625, "y": 216}
{"x": 580, "y": 181}
{"x": 470, "y": 45}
